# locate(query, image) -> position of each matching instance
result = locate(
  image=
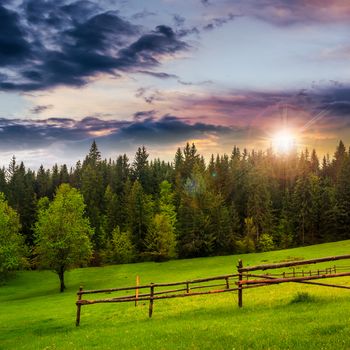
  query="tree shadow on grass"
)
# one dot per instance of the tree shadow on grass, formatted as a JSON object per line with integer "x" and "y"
{"x": 23, "y": 295}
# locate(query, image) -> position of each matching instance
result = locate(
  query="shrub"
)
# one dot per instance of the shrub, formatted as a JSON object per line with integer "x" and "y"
{"x": 265, "y": 243}
{"x": 302, "y": 297}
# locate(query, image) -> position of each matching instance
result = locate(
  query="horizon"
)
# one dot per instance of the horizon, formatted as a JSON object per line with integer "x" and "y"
{"x": 165, "y": 72}
{"x": 131, "y": 156}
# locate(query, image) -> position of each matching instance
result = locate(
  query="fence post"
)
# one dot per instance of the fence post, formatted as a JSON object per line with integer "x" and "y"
{"x": 77, "y": 322}
{"x": 187, "y": 287}
{"x": 150, "y": 310}
{"x": 227, "y": 283}
{"x": 240, "y": 278}
{"x": 137, "y": 289}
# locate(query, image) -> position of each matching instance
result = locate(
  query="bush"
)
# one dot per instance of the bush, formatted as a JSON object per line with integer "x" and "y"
{"x": 121, "y": 249}
{"x": 160, "y": 240}
{"x": 246, "y": 245}
{"x": 302, "y": 297}
{"x": 265, "y": 243}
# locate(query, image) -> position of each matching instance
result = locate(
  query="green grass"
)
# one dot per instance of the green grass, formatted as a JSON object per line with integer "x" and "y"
{"x": 34, "y": 315}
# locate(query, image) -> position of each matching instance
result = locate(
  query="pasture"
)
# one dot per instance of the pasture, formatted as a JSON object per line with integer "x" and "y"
{"x": 34, "y": 315}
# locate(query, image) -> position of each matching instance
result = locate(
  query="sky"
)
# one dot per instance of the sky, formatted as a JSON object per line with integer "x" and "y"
{"x": 161, "y": 73}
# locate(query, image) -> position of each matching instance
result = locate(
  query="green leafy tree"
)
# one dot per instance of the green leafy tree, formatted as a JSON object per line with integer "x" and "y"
{"x": 12, "y": 249}
{"x": 63, "y": 233}
{"x": 120, "y": 249}
{"x": 160, "y": 241}
{"x": 265, "y": 243}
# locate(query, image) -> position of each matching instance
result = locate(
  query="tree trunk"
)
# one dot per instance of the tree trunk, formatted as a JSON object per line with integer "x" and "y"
{"x": 61, "y": 277}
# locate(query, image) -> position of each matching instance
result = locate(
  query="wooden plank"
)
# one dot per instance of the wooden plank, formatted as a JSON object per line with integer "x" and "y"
{"x": 240, "y": 277}
{"x": 293, "y": 263}
{"x": 199, "y": 280}
{"x": 132, "y": 298}
{"x": 77, "y": 322}
{"x": 308, "y": 282}
{"x": 137, "y": 289}
{"x": 293, "y": 279}
{"x": 227, "y": 283}
{"x": 151, "y": 298}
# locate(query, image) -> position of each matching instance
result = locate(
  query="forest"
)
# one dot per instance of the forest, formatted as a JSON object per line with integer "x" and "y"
{"x": 143, "y": 209}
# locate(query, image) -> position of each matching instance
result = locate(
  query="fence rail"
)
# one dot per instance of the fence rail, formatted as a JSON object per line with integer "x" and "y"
{"x": 153, "y": 294}
{"x": 229, "y": 283}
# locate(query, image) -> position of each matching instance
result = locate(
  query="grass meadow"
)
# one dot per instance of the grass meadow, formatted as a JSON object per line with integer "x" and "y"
{"x": 34, "y": 315}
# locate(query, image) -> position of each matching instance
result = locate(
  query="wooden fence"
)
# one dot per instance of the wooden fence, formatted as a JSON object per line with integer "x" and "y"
{"x": 227, "y": 283}
{"x": 303, "y": 276}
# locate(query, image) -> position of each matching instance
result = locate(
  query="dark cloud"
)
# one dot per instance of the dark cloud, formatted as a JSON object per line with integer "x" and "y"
{"x": 148, "y": 95}
{"x": 145, "y": 51}
{"x": 182, "y": 32}
{"x": 205, "y": 2}
{"x": 326, "y": 108}
{"x": 143, "y": 14}
{"x": 167, "y": 130}
{"x": 59, "y": 43}
{"x": 21, "y": 134}
{"x": 219, "y": 21}
{"x": 141, "y": 115}
{"x": 14, "y": 48}
{"x": 190, "y": 83}
{"x": 39, "y": 109}
{"x": 160, "y": 75}
{"x": 179, "y": 20}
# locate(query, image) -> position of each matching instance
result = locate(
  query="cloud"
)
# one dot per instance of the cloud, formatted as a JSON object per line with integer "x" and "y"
{"x": 148, "y": 95}
{"x": 41, "y": 108}
{"x": 141, "y": 115}
{"x": 160, "y": 75}
{"x": 143, "y": 14}
{"x": 205, "y": 2}
{"x": 319, "y": 114}
{"x": 190, "y": 83}
{"x": 44, "y": 44}
{"x": 219, "y": 22}
{"x": 284, "y": 13}
{"x": 14, "y": 48}
{"x": 179, "y": 20}
{"x": 168, "y": 129}
{"x": 325, "y": 109}
{"x": 21, "y": 134}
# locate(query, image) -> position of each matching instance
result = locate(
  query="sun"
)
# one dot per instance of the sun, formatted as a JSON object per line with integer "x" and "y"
{"x": 284, "y": 141}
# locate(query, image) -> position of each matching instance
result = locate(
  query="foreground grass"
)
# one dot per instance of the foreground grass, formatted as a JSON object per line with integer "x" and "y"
{"x": 34, "y": 315}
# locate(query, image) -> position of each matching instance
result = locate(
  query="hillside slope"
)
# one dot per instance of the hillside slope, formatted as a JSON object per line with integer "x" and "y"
{"x": 34, "y": 315}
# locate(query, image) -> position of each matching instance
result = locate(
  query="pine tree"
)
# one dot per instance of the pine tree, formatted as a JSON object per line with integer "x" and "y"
{"x": 141, "y": 168}
{"x": 112, "y": 211}
{"x": 42, "y": 182}
{"x": 343, "y": 200}
{"x": 339, "y": 157}
{"x": 259, "y": 205}
{"x": 160, "y": 240}
{"x": 140, "y": 213}
{"x": 93, "y": 190}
